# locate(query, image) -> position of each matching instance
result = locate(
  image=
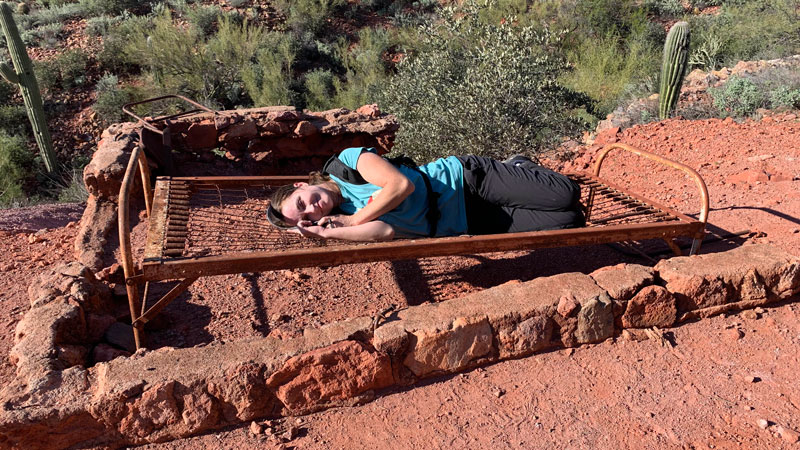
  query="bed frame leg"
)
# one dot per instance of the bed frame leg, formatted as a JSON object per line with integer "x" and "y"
{"x": 674, "y": 247}
{"x": 133, "y": 304}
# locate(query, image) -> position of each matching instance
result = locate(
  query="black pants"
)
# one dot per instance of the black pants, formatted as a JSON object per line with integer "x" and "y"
{"x": 508, "y": 198}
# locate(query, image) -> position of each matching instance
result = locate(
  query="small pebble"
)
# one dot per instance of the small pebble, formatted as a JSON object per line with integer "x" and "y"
{"x": 733, "y": 334}
{"x": 499, "y": 393}
{"x": 256, "y": 428}
{"x": 750, "y": 314}
{"x": 763, "y": 424}
{"x": 752, "y": 379}
{"x": 788, "y": 435}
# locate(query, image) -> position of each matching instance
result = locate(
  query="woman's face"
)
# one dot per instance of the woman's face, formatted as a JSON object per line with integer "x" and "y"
{"x": 307, "y": 202}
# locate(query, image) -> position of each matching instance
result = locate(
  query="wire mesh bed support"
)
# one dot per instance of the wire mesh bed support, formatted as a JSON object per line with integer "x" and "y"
{"x": 204, "y": 226}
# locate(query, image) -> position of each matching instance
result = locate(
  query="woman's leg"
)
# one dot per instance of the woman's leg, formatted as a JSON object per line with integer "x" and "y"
{"x": 525, "y": 186}
{"x": 507, "y": 198}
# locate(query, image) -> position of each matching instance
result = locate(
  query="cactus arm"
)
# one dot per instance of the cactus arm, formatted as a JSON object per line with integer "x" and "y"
{"x": 8, "y": 73}
{"x": 26, "y": 79}
{"x": 673, "y": 68}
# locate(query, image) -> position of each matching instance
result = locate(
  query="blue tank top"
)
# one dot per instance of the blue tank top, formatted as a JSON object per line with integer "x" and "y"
{"x": 408, "y": 219}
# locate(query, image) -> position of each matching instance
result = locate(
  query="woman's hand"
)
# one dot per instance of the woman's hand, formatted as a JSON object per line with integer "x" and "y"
{"x": 370, "y": 231}
{"x": 336, "y": 221}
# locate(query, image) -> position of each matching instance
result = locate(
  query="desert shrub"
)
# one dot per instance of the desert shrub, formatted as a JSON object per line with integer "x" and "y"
{"x": 269, "y": 81}
{"x": 57, "y": 14}
{"x": 603, "y": 17}
{"x": 203, "y": 18}
{"x": 488, "y": 89}
{"x": 42, "y": 36}
{"x": 70, "y": 188}
{"x": 365, "y": 70}
{"x": 102, "y": 25}
{"x": 785, "y": 97}
{"x": 13, "y": 119}
{"x": 608, "y": 68}
{"x": 112, "y": 57}
{"x": 210, "y": 71}
{"x": 738, "y": 97}
{"x": 669, "y": 8}
{"x": 15, "y": 161}
{"x": 113, "y": 7}
{"x": 759, "y": 29}
{"x": 65, "y": 71}
{"x": 307, "y": 16}
{"x": 7, "y": 91}
{"x": 319, "y": 90}
{"x": 110, "y": 98}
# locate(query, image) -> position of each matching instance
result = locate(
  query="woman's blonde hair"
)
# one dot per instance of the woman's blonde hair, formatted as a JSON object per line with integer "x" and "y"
{"x": 282, "y": 193}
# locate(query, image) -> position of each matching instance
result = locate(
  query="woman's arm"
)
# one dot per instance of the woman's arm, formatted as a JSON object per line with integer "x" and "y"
{"x": 375, "y": 230}
{"x": 395, "y": 187}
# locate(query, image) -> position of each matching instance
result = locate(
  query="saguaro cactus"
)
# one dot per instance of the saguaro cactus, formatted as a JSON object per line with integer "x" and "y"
{"x": 22, "y": 74}
{"x": 673, "y": 67}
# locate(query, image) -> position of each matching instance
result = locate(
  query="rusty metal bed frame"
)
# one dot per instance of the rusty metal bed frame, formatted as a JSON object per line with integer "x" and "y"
{"x": 203, "y": 226}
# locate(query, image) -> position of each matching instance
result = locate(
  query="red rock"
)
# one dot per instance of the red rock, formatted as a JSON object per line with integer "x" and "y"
{"x": 304, "y": 128}
{"x": 155, "y": 409}
{"x": 653, "y": 306}
{"x": 748, "y": 176}
{"x": 201, "y": 135}
{"x": 369, "y": 110}
{"x": 243, "y": 130}
{"x": 329, "y": 376}
{"x": 104, "y": 352}
{"x": 274, "y": 128}
{"x": 567, "y": 305}
{"x": 530, "y": 335}
{"x": 623, "y": 280}
{"x": 607, "y": 136}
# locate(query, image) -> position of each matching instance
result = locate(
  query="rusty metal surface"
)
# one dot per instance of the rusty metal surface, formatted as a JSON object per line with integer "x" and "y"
{"x": 226, "y": 231}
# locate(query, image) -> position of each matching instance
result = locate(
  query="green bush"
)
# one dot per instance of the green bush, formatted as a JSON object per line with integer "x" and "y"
{"x": 785, "y": 97}
{"x": 42, "y": 36}
{"x": 15, "y": 161}
{"x": 56, "y": 14}
{"x": 65, "y": 71}
{"x": 270, "y": 81}
{"x": 365, "y": 70}
{"x": 102, "y": 25}
{"x": 211, "y": 71}
{"x": 607, "y": 69}
{"x": 307, "y": 16}
{"x": 13, "y": 119}
{"x": 487, "y": 89}
{"x": 204, "y": 18}
{"x": 112, "y": 57}
{"x": 319, "y": 90}
{"x": 110, "y": 98}
{"x": 112, "y": 7}
{"x": 7, "y": 91}
{"x": 752, "y": 30}
{"x": 738, "y": 97}
{"x": 669, "y": 8}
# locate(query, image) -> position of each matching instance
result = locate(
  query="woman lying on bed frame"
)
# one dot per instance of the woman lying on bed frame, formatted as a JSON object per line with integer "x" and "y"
{"x": 361, "y": 196}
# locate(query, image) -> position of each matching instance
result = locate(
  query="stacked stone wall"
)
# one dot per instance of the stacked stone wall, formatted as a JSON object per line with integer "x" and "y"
{"x": 171, "y": 393}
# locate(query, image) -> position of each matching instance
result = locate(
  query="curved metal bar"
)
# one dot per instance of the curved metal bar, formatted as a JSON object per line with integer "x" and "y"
{"x": 704, "y": 201}
{"x": 127, "y": 110}
{"x": 704, "y": 207}
{"x": 126, "y": 254}
{"x": 144, "y": 170}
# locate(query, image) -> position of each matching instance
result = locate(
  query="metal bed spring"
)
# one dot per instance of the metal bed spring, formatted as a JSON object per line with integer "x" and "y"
{"x": 202, "y": 226}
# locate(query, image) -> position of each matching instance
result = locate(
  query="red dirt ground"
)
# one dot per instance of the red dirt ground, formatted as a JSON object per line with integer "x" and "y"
{"x": 709, "y": 391}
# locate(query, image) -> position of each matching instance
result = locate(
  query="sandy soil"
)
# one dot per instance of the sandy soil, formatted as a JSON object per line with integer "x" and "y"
{"x": 709, "y": 391}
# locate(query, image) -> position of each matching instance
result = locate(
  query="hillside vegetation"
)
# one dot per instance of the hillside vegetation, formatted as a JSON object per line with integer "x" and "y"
{"x": 492, "y": 78}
